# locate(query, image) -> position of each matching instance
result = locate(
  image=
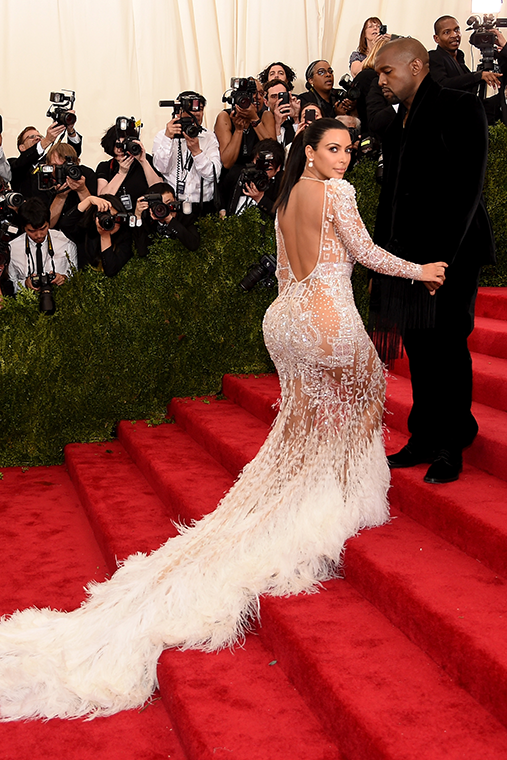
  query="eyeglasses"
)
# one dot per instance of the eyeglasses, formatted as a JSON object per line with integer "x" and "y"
{"x": 323, "y": 72}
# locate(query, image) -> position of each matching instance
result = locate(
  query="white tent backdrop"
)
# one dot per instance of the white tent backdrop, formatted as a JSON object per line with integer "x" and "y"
{"x": 123, "y": 56}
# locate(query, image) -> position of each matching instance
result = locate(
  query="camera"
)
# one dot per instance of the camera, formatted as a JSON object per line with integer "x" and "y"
{"x": 348, "y": 92}
{"x": 262, "y": 272}
{"x": 186, "y": 104}
{"x": 243, "y": 90}
{"x": 158, "y": 208}
{"x": 59, "y": 111}
{"x": 284, "y": 98}
{"x": 310, "y": 115}
{"x": 107, "y": 220}
{"x": 10, "y": 202}
{"x": 257, "y": 172}
{"x": 127, "y": 136}
{"x": 382, "y": 29}
{"x": 484, "y": 38}
{"x": 45, "y": 284}
{"x": 50, "y": 176}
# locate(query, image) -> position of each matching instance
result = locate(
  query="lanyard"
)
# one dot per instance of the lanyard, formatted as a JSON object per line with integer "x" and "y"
{"x": 29, "y": 255}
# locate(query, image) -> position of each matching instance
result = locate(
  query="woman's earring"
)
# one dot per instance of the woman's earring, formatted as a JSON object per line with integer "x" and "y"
{"x": 310, "y": 163}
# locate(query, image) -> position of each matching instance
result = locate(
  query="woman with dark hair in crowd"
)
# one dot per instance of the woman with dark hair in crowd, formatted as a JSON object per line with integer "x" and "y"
{"x": 278, "y": 70}
{"x": 319, "y": 478}
{"x": 102, "y": 237}
{"x": 125, "y": 176}
{"x": 320, "y": 82}
{"x": 368, "y": 36}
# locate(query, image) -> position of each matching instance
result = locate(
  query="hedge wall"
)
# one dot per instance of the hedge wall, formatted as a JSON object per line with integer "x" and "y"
{"x": 170, "y": 324}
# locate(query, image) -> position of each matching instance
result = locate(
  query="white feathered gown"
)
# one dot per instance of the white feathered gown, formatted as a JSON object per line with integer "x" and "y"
{"x": 319, "y": 478}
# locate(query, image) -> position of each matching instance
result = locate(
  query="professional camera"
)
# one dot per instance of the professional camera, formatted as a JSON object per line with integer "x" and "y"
{"x": 484, "y": 38}
{"x": 158, "y": 208}
{"x": 127, "y": 133}
{"x": 242, "y": 92}
{"x": 60, "y": 110}
{"x": 369, "y": 146}
{"x": 183, "y": 110}
{"x": 347, "y": 90}
{"x": 262, "y": 273}
{"x": 48, "y": 176}
{"x": 45, "y": 284}
{"x": 257, "y": 172}
{"x": 107, "y": 220}
{"x": 9, "y": 204}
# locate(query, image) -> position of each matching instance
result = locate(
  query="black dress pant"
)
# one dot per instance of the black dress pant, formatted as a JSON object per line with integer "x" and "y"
{"x": 441, "y": 367}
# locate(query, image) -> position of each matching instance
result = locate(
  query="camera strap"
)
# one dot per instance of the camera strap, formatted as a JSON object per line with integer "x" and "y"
{"x": 184, "y": 168}
{"x": 33, "y": 266}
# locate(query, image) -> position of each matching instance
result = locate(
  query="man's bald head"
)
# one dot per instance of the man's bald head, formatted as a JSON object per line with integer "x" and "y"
{"x": 405, "y": 50}
{"x": 401, "y": 64}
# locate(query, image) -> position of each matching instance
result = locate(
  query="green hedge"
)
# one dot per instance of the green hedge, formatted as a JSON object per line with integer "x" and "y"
{"x": 168, "y": 325}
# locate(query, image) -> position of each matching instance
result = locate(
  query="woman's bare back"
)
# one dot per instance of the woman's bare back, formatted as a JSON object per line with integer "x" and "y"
{"x": 301, "y": 226}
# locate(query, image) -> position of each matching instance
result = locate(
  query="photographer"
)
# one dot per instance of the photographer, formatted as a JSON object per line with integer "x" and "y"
{"x": 259, "y": 183}
{"x": 282, "y": 116}
{"x": 160, "y": 214}
{"x": 40, "y": 251}
{"x": 239, "y": 129}
{"x": 125, "y": 175}
{"x": 189, "y": 162}
{"x": 71, "y": 191}
{"x": 5, "y": 167}
{"x": 100, "y": 228}
{"x": 32, "y": 146}
{"x": 448, "y": 68}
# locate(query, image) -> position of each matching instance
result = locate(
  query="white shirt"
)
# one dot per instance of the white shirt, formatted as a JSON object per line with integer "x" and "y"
{"x": 5, "y": 167}
{"x": 21, "y": 265}
{"x": 165, "y": 160}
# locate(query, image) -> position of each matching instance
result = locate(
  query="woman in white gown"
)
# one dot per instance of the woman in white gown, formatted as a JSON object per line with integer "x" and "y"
{"x": 319, "y": 478}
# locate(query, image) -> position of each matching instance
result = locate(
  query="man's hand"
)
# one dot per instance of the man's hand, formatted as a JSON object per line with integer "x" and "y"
{"x": 193, "y": 144}
{"x": 239, "y": 119}
{"x": 71, "y": 128}
{"x": 173, "y": 128}
{"x": 500, "y": 39}
{"x": 281, "y": 114}
{"x": 79, "y": 185}
{"x": 28, "y": 284}
{"x": 491, "y": 79}
{"x": 344, "y": 107}
{"x": 59, "y": 279}
{"x": 251, "y": 190}
{"x": 54, "y": 130}
{"x": 141, "y": 206}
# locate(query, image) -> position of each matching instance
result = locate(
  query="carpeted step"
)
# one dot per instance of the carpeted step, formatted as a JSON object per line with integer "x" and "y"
{"x": 492, "y": 303}
{"x": 131, "y": 517}
{"x": 258, "y": 395}
{"x": 490, "y": 374}
{"x": 116, "y": 497}
{"x": 489, "y": 449}
{"x": 228, "y": 432}
{"x": 176, "y": 467}
{"x": 239, "y": 704}
{"x": 471, "y": 513}
{"x": 49, "y": 553}
{"x": 489, "y": 337}
{"x": 448, "y": 604}
{"x": 379, "y": 694}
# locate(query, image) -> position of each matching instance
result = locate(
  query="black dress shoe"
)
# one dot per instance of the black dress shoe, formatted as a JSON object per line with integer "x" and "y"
{"x": 409, "y": 456}
{"x": 446, "y": 467}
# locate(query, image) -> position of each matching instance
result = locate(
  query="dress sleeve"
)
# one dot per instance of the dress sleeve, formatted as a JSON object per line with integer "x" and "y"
{"x": 355, "y": 237}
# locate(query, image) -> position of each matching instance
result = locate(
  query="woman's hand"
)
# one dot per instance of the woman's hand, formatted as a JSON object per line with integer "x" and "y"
{"x": 125, "y": 162}
{"x": 434, "y": 275}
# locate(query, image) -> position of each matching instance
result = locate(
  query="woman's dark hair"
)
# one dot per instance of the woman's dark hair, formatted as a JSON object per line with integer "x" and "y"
{"x": 289, "y": 73}
{"x": 363, "y": 45}
{"x": 295, "y": 165}
{"x": 110, "y": 136}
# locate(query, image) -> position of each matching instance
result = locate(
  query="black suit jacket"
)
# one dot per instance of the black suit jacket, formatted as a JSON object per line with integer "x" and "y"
{"x": 453, "y": 72}
{"x": 431, "y": 206}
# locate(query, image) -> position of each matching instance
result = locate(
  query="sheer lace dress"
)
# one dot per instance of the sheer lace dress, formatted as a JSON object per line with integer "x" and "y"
{"x": 319, "y": 478}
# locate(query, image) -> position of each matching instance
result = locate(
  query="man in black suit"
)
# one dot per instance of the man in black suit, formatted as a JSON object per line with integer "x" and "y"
{"x": 448, "y": 68}
{"x": 431, "y": 209}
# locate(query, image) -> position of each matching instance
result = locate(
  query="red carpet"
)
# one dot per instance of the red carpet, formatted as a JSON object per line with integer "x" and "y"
{"x": 404, "y": 658}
